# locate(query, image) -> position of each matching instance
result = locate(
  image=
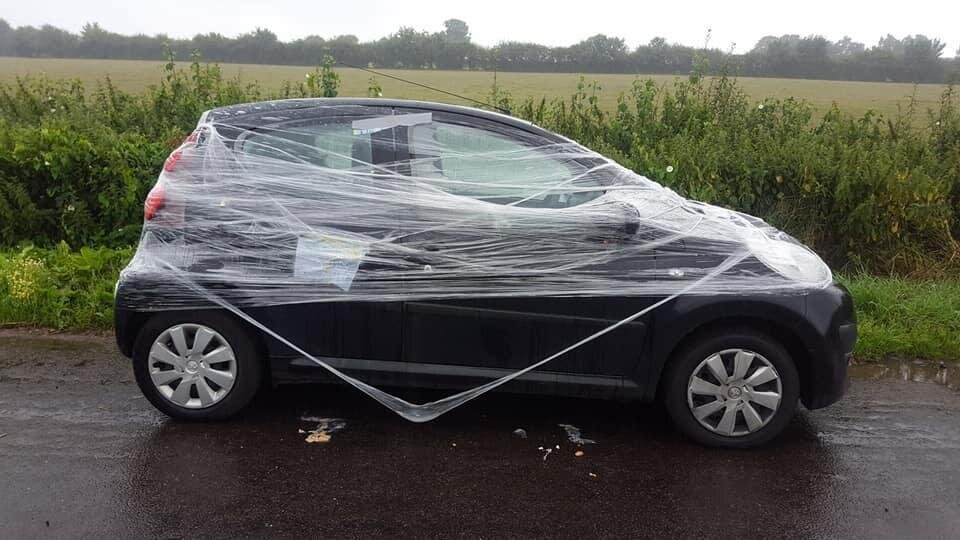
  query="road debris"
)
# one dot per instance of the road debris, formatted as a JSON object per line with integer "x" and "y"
{"x": 573, "y": 435}
{"x": 578, "y": 453}
{"x": 325, "y": 427}
{"x": 2, "y": 435}
{"x": 546, "y": 452}
{"x": 592, "y": 475}
{"x": 520, "y": 432}
{"x": 317, "y": 436}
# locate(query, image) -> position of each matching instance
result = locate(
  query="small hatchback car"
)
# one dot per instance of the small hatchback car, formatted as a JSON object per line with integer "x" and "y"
{"x": 413, "y": 244}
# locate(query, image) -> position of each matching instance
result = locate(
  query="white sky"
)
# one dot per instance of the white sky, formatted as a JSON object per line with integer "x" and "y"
{"x": 547, "y": 22}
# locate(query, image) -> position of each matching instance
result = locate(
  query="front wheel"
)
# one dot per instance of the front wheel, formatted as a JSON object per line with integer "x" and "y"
{"x": 196, "y": 365}
{"x": 734, "y": 388}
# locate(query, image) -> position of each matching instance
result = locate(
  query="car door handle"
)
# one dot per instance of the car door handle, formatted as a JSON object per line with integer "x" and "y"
{"x": 425, "y": 255}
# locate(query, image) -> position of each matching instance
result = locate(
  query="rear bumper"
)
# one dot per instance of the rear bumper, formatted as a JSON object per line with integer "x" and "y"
{"x": 125, "y": 330}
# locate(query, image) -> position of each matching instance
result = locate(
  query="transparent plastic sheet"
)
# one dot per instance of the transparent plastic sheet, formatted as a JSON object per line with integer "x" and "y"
{"x": 313, "y": 201}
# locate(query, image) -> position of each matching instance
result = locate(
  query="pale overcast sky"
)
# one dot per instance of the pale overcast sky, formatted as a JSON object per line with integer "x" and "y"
{"x": 491, "y": 21}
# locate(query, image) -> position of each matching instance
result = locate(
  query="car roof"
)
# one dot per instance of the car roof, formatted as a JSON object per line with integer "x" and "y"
{"x": 244, "y": 113}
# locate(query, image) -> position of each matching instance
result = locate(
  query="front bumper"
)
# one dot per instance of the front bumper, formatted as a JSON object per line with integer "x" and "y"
{"x": 828, "y": 380}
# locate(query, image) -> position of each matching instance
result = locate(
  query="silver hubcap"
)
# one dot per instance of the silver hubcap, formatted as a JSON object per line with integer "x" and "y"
{"x": 734, "y": 392}
{"x": 192, "y": 365}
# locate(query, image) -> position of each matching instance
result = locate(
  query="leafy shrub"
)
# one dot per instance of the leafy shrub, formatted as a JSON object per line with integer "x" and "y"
{"x": 869, "y": 193}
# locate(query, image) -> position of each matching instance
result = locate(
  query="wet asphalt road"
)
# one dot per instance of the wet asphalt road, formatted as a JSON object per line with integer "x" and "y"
{"x": 82, "y": 454}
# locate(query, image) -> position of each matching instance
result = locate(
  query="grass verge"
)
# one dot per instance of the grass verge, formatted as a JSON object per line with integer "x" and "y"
{"x": 69, "y": 289}
{"x": 908, "y": 318}
{"x": 60, "y": 288}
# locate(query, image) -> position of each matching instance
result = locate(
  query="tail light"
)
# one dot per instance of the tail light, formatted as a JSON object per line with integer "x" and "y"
{"x": 158, "y": 198}
{"x": 193, "y": 139}
{"x": 172, "y": 160}
{"x": 154, "y": 202}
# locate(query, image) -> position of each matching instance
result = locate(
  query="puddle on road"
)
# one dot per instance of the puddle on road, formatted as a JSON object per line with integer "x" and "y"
{"x": 909, "y": 370}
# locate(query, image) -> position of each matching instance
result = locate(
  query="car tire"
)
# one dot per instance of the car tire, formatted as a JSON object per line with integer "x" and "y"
{"x": 234, "y": 362}
{"x": 701, "y": 407}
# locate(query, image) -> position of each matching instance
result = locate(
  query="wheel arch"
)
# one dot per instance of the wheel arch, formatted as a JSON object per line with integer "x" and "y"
{"x": 782, "y": 324}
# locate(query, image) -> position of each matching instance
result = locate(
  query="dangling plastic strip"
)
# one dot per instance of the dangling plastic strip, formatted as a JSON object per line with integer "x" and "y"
{"x": 424, "y": 412}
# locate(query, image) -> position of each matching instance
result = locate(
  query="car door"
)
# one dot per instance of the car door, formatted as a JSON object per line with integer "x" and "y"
{"x": 509, "y": 331}
{"x": 328, "y": 137}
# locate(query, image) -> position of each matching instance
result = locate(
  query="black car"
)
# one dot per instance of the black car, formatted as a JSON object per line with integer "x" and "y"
{"x": 412, "y": 244}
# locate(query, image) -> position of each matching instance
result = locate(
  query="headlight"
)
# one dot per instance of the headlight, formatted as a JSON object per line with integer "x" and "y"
{"x": 791, "y": 260}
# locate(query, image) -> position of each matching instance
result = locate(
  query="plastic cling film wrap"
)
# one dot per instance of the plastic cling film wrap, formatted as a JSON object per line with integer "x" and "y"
{"x": 441, "y": 206}
{"x": 424, "y": 412}
{"x": 308, "y": 201}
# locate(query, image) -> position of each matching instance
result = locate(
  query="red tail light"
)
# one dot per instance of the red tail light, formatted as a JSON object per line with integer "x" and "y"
{"x": 154, "y": 201}
{"x": 172, "y": 160}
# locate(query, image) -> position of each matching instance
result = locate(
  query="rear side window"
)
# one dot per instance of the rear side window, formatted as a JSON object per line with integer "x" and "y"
{"x": 332, "y": 144}
{"x": 497, "y": 166}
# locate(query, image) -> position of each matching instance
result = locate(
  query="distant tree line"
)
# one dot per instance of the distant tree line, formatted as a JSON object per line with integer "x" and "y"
{"x": 915, "y": 58}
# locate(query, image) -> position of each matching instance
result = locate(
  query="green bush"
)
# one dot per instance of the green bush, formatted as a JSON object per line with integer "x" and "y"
{"x": 869, "y": 193}
{"x": 76, "y": 165}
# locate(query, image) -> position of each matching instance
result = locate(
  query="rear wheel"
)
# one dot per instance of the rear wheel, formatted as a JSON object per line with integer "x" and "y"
{"x": 736, "y": 388}
{"x": 196, "y": 365}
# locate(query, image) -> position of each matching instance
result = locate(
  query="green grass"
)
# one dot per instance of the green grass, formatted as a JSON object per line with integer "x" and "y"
{"x": 135, "y": 75}
{"x": 73, "y": 290}
{"x": 913, "y": 319}
{"x": 60, "y": 288}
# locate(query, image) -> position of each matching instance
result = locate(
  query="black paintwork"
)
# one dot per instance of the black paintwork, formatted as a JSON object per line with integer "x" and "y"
{"x": 463, "y": 342}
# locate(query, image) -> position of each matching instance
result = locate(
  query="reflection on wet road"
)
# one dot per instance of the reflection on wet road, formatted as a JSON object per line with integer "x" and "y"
{"x": 83, "y": 453}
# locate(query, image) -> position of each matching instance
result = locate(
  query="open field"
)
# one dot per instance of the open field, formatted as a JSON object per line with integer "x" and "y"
{"x": 135, "y": 75}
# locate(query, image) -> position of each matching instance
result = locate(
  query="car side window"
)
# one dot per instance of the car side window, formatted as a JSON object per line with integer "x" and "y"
{"x": 491, "y": 165}
{"x": 330, "y": 143}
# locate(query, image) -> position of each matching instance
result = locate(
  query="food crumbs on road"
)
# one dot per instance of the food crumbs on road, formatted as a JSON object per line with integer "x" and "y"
{"x": 317, "y": 436}
{"x": 325, "y": 427}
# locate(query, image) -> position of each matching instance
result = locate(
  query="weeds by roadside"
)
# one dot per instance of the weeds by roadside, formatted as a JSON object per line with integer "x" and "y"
{"x": 60, "y": 288}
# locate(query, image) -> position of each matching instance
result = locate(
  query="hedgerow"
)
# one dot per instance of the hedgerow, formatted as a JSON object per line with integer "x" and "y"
{"x": 870, "y": 193}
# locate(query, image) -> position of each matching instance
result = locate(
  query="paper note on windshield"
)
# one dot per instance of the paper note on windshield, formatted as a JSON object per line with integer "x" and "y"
{"x": 328, "y": 259}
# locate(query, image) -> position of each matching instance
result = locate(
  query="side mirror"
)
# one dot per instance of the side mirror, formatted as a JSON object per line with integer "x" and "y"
{"x": 629, "y": 219}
